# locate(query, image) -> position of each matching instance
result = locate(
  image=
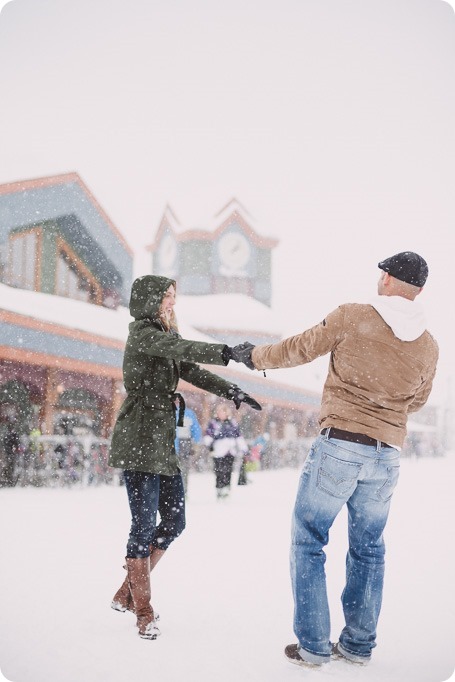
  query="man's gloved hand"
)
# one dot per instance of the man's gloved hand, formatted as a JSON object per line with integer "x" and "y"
{"x": 242, "y": 353}
{"x": 238, "y": 397}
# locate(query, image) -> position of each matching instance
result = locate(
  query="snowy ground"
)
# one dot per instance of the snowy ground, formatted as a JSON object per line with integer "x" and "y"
{"x": 223, "y": 591}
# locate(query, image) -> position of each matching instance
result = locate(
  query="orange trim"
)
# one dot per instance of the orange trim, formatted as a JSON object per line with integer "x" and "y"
{"x": 64, "y": 179}
{"x": 68, "y": 364}
{"x": 52, "y": 328}
{"x": 277, "y": 402}
{"x": 199, "y": 235}
{"x": 261, "y": 242}
{"x": 258, "y": 378}
{"x": 261, "y": 389}
{"x": 36, "y": 183}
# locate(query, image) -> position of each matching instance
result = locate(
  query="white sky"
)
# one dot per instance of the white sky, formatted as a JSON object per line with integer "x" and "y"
{"x": 332, "y": 122}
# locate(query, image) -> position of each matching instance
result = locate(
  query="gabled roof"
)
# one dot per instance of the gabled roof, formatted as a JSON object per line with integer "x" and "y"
{"x": 231, "y": 206}
{"x": 61, "y": 197}
{"x": 63, "y": 179}
{"x": 232, "y": 212}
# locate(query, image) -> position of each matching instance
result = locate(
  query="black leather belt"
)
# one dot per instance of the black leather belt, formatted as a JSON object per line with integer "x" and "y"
{"x": 353, "y": 437}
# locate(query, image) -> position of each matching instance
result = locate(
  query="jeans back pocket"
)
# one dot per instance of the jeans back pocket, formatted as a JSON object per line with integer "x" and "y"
{"x": 385, "y": 492}
{"x": 338, "y": 477}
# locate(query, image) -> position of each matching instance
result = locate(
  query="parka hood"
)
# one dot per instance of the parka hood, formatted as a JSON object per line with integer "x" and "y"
{"x": 147, "y": 294}
{"x": 406, "y": 318}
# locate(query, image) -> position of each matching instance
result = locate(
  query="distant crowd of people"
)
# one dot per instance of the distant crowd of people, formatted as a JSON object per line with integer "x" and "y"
{"x": 68, "y": 460}
{"x": 63, "y": 461}
{"x": 54, "y": 461}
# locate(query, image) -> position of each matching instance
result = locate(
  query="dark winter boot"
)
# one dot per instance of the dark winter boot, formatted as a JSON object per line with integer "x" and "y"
{"x": 139, "y": 582}
{"x": 338, "y": 653}
{"x": 242, "y": 474}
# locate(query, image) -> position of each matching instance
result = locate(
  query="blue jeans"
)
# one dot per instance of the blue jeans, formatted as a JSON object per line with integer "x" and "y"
{"x": 364, "y": 477}
{"x": 147, "y": 495}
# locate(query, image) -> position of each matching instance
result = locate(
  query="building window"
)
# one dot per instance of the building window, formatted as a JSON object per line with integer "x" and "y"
{"x": 73, "y": 279}
{"x": 23, "y": 260}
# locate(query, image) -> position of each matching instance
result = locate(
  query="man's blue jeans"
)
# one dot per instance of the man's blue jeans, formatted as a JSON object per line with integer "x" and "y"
{"x": 149, "y": 494}
{"x": 364, "y": 477}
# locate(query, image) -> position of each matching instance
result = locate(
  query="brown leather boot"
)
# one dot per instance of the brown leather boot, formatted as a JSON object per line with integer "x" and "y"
{"x": 139, "y": 582}
{"x": 122, "y": 600}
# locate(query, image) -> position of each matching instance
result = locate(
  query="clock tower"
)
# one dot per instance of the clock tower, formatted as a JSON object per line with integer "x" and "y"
{"x": 234, "y": 252}
{"x": 230, "y": 256}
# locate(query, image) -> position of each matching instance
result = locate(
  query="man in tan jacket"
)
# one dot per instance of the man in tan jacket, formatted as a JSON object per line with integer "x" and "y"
{"x": 382, "y": 365}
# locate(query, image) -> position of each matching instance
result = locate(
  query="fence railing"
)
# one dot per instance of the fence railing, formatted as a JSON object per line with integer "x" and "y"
{"x": 66, "y": 461}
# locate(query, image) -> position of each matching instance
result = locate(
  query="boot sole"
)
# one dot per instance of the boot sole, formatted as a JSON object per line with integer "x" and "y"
{"x": 148, "y": 636}
{"x": 304, "y": 664}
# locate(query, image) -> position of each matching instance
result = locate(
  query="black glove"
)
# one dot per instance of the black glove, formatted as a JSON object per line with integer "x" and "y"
{"x": 238, "y": 397}
{"x": 242, "y": 353}
{"x": 226, "y": 354}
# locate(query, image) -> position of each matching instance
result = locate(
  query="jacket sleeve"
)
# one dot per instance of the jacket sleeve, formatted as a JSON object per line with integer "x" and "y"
{"x": 422, "y": 394}
{"x": 204, "y": 379}
{"x": 304, "y": 347}
{"x": 162, "y": 344}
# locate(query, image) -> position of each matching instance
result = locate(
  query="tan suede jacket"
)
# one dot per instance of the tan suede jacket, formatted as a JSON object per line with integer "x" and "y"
{"x": 374, "y": 379}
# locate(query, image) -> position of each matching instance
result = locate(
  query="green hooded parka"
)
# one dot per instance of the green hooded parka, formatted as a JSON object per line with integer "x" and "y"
{"x": 154, "y": 361}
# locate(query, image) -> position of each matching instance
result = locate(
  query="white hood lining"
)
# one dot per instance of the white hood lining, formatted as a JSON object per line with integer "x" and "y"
{"x": 406, "y": 318}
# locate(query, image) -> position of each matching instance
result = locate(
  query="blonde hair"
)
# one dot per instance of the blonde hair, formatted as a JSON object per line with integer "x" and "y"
{"x": 170, "y": 325}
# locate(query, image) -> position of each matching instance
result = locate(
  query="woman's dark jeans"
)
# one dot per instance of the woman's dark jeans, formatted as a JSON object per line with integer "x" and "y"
{"x": 147, "y": 495}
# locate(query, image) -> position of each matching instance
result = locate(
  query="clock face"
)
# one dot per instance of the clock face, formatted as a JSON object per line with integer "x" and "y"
{"x": 167, "y": 252}
{"x": 234, "y": 250}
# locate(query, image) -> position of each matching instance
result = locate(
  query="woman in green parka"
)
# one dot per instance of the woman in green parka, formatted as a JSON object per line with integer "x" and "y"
{"x": 156, "y": 357}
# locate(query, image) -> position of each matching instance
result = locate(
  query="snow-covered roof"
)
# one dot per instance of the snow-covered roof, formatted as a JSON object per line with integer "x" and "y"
{"x": 223, "y": 311}
{"x": 66, "y": 312}
{"x": 227, "y": 311}
{"x": 217, "y": 311}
